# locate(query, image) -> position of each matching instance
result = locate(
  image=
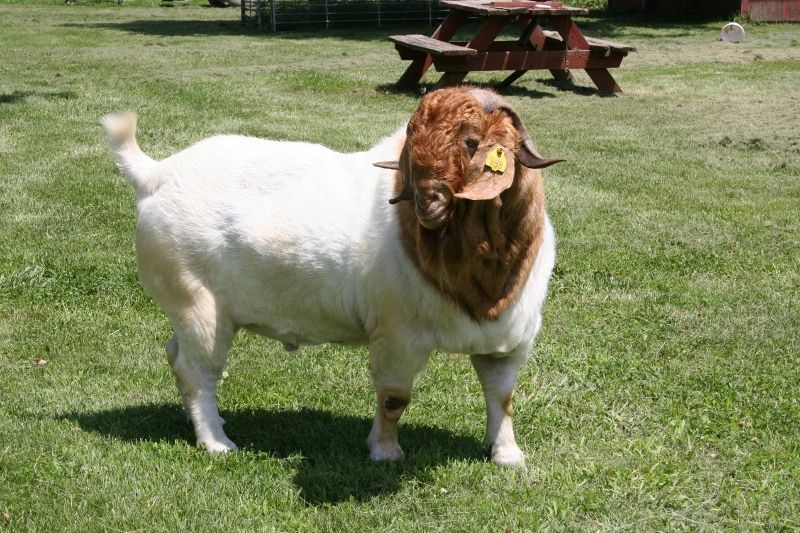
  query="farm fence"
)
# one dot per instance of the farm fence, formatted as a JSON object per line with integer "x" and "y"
{"x": 297, "y": 14}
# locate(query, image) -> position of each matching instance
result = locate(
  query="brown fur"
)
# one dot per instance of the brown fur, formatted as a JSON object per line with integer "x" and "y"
{"x": 391, "y": 404}
{"x": 507, "y": 405}
{"x": 482, "y": 256}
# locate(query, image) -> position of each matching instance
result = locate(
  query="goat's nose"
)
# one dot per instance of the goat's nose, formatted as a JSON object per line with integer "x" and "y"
{"x": 429, "y": 200}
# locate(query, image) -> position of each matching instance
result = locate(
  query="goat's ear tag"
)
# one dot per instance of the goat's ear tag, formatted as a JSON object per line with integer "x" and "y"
{"x": 489, "y": 173}
{"x": 496, "y": 159}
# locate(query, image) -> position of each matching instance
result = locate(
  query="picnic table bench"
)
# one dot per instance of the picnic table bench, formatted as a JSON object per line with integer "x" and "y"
{"x": 537, "y": 48}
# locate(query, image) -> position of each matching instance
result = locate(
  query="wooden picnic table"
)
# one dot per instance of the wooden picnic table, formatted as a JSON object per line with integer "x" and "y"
{"x": 557, "y": 50}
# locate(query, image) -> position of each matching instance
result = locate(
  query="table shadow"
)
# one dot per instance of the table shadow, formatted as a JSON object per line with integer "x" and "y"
{"x": 424, "y": 88}
{"x": 565, "y": 86}
{"x": 334, "y": 465}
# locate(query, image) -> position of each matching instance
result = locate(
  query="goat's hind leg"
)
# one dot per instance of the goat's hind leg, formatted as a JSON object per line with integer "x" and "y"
{"x": 197, "y": 355}
{"x": 172, "y": 355}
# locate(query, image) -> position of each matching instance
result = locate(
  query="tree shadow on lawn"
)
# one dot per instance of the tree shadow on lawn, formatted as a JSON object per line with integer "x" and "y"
{"x": 170, "y": 28}
{"x": 192, "y": 28}
{"x": 598, "y": 25}
{"x": 20, "y": 96}
{"x": 334, "y": 467}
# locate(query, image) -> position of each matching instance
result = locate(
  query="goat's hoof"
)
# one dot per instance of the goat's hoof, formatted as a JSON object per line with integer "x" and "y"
{"x": 385, "y": 452}
{"x": 508, "y": 456}
{"x": 223, "y": 445}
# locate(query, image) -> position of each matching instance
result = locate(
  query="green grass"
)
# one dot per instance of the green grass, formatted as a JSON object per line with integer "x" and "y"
{"x": 665, "y": 386}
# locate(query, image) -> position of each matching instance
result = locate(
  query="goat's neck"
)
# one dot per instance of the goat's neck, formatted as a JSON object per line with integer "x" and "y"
{"x": 482, "y": 258}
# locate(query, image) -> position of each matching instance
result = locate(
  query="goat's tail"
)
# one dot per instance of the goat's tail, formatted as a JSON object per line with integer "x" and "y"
{"x": 137, "y": 167}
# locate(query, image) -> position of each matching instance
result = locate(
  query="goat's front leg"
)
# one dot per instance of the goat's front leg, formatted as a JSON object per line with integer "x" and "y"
{"x": 498, "y": 376}
{"x": 393, "y": 371}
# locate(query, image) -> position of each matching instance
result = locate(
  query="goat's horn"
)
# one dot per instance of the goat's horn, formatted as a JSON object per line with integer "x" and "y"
{"x": 529, "y": 156}
{"x": 405, "y": 194}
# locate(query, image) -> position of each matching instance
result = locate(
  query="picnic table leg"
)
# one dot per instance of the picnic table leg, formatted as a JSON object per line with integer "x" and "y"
{"x": 419, "y": 66}
{"x": 540, "y": 40}
{"x": 573, "y": 38}
{"x": 511, "y": 78}
{"x": 569, "y": 31}
{"x": 560, "y": 74}
{"x": 533, "y": 38}
{"x": 604, "y": 81}
{"x": 486, "y": 35}
{"x": 449, "y": 79}
{"x": 529, "y": 26}
{"x": 414, "y": 72}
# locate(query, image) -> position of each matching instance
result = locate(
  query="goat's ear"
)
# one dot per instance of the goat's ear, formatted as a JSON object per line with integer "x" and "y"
{"x": 405, "y": 194}
{"x": 528, "y": 155}
{"x": 490, "y": 172}
{"x": 391, "y": 165}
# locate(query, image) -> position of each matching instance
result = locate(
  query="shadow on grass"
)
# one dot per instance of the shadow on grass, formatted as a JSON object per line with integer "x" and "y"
{"x": 20, "y": 96}
{"x": 512, "y": 90}
{"x": 190, "y": 28}
{"x": 171, "y": 28}
{"x": 598, "y": 24}
{"x": 334, "y": 465}
{"x": 564, "y": 86}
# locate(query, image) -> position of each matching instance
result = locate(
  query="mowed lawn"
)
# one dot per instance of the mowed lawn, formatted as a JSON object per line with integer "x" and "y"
{"x": 663, "y": 392}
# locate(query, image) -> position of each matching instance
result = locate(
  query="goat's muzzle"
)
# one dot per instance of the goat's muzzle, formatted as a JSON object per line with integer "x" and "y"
{"x": 431, "y": 208}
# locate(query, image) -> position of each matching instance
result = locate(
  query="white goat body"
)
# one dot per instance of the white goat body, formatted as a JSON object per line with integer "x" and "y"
{"x": 299, "y": 243}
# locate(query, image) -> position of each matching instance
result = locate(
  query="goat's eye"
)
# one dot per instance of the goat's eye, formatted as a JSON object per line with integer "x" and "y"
{"x": 472, "y": 145}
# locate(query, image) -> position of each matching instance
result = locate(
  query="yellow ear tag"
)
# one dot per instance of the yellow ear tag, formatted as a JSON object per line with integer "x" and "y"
{"x": 496, "y": 160}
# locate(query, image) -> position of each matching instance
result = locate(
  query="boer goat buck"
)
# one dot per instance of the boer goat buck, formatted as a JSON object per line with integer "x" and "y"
{"x": 436, "y": 238}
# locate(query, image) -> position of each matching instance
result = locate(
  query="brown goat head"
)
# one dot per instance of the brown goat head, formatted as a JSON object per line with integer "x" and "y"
{"x": 461, "y": 144}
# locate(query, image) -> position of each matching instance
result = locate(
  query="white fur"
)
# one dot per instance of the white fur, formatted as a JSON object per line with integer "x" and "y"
{"x": 299, "y": 243}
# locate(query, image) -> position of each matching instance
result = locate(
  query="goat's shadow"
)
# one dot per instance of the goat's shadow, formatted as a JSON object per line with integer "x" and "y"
{"x": 334, "y": 465}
